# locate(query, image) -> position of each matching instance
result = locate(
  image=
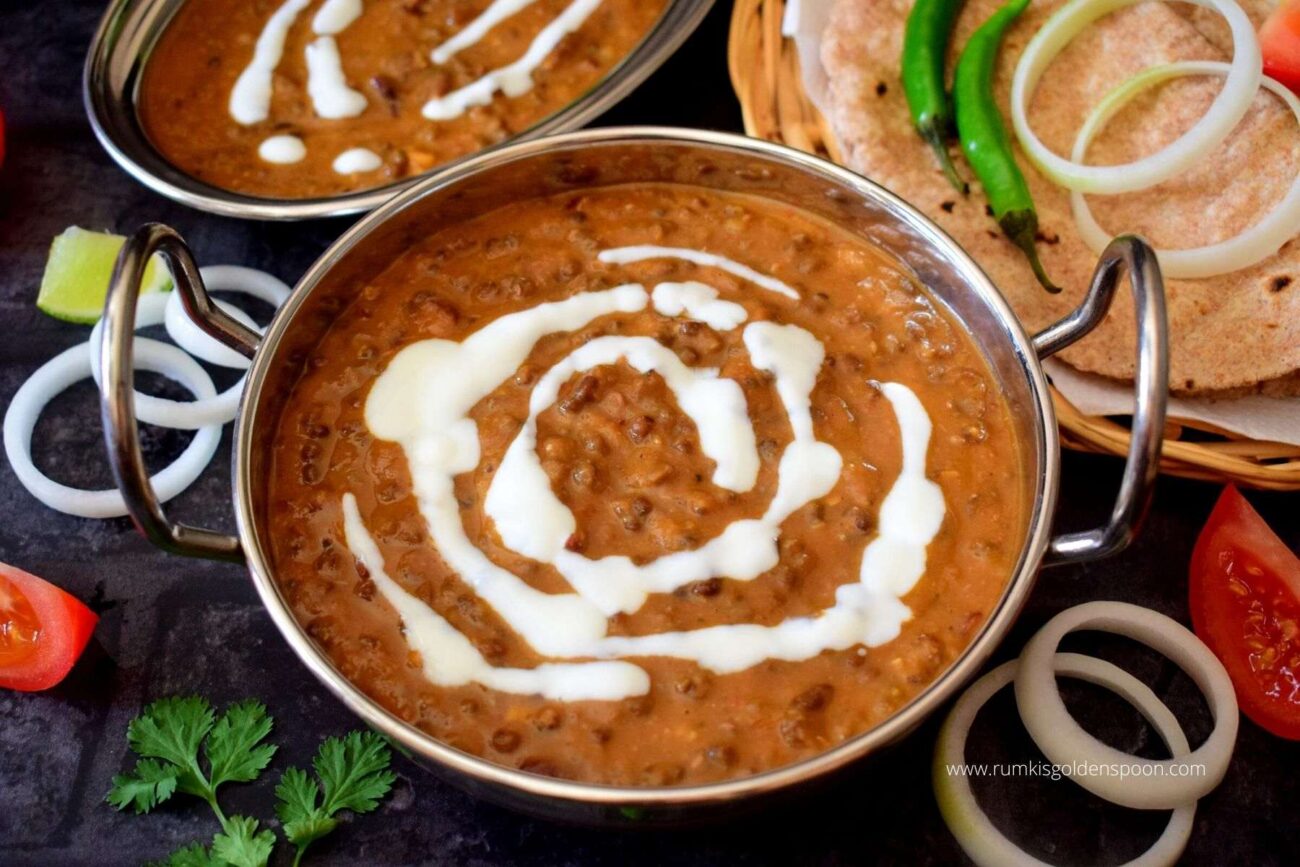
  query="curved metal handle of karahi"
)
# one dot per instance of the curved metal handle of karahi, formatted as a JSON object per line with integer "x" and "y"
{"x": 117, "y": 389}
{"x": 1132, "y": 255}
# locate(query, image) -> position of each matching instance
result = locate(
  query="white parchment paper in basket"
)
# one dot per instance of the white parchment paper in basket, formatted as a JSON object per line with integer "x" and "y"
{"x": 1260, "y": 418}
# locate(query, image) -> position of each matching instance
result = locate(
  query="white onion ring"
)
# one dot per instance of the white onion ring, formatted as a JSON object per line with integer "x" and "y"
{"x": 1229, "y": 107}
{"x": 222, "y": 278}
{"x": 188, "y": 336}
{"x": 155, "y": 309}
{"x": 1253, "y": 245}
{"x": 1065, "y": 742}
{"x": 977, "y": 835}
{"x": 178, "y": 414}
{"x": 73, "y": 365}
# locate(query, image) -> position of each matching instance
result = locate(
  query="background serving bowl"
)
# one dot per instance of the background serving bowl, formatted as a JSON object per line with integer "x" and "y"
{"x": 130, "y": 28}
{"x": 638, "y": 155}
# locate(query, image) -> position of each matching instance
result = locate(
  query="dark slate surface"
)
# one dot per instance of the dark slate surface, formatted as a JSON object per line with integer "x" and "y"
{"x": 178, "y": 626}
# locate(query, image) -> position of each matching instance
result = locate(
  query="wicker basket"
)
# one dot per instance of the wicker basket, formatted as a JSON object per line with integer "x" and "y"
{"x": 765, "y": 73}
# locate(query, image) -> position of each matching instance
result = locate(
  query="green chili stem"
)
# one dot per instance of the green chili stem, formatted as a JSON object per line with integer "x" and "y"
{"x": 1022, "y": 228}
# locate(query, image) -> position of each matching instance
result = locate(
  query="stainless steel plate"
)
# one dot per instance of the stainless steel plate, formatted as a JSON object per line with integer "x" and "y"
{"x": 130, "y": 29}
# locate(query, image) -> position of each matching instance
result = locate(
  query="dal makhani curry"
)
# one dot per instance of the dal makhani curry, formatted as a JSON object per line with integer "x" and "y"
{"x": 304, "y": 98}
{"x": 646, "y": 485}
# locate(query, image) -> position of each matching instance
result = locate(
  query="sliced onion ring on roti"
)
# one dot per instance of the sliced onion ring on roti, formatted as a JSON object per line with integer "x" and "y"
{"x": 1247, "y": 248}
{"x": 1229, "y": 107}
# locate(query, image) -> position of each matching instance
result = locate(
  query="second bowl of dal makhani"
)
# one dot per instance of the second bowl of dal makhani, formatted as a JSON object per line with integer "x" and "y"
{"x": 286, "y": 109}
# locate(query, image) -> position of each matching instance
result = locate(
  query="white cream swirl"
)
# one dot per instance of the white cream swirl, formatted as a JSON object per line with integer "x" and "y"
{"x": 250, "y": 99}
{"x": 334, "y": 99}
{"x": 448, "y": 658}
{"x": 282, "y": 149}
{"x": 471, "y": 33}
{"x": 423, "y": 399}
{"x": 356, "y": 160}
{"x": 335, "y": 16}
{"x": 514, "y": 79}
{"x": 326, "y": 84}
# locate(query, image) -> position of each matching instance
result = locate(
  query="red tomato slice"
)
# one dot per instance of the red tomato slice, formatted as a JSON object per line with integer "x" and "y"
{"x": 1245, "y": 601}
{"x": 42, "y": 631}
{"x": 1279, "y": 40}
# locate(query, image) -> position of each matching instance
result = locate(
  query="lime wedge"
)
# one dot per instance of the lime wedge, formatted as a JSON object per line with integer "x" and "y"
{"x": 77, "y": 274}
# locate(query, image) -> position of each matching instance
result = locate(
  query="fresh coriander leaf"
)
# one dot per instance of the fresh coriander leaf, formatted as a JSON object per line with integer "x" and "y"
{"x": 308, "y": 830}
{"x": 233, "y": 748}
{"x": 242, "y": 845}
{"x": 193, "y": 855}
{"x": 303, "y": 821}
{"x": 152, "y": 783}
{"x": 172, "y": 729}
{"x": 354, "y": 772}
{"x": 296, "y": 795}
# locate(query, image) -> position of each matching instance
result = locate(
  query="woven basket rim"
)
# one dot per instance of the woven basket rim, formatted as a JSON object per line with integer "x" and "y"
{"x": 766, "y": 77}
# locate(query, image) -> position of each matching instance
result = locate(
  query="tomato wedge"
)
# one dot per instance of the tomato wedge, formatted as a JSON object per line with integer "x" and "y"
{"x": 1245, "y": 601}
{"x": 1279, "y": 40}
{"x": 42, "y": 631}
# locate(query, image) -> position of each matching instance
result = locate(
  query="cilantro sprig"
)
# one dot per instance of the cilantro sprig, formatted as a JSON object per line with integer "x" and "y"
{"x": 169, "y": 734}
{"x": 354, "y": 775}
{"x": 184, "y": 747}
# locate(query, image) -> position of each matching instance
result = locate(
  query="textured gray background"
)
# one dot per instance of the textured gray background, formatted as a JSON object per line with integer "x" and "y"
{"x": 178, "y": 626}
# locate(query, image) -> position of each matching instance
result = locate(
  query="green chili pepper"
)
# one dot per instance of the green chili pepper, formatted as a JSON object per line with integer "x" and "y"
{"x": 984, "y": 136}
{"x": 925, "y": 48}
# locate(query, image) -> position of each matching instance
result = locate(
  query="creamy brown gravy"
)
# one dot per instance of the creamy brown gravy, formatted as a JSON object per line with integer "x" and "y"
{"x": 625, "y": 459}
{"x": 187, "y": 80}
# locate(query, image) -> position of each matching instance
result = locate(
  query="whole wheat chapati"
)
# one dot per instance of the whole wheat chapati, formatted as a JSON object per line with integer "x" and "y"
{"x": 1236, "y": 333}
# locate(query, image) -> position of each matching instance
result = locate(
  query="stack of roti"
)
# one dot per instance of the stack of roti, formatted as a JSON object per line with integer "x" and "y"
{"x": 1231, "y": 335}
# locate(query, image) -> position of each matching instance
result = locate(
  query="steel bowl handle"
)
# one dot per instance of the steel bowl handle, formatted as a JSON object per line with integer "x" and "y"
{"x": 117, "y": 388}
{"x": 1126, "y": 253}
